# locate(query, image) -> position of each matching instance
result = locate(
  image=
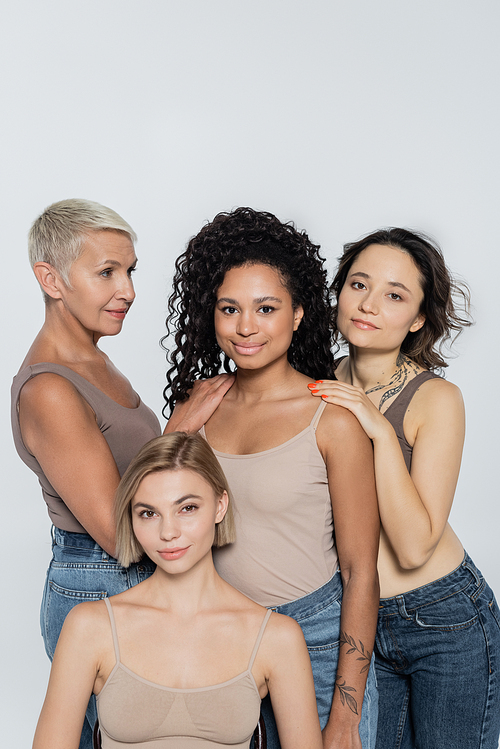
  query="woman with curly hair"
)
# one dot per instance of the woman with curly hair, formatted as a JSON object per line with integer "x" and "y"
{"x": 438, "y": 639}
{"x": 250, "y": 297}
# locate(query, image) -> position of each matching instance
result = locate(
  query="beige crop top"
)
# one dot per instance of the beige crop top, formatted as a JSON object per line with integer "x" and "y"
{"x": 125, "y": 430}
{"x": 137, "y": 713}
{"x": 284, "y": 545}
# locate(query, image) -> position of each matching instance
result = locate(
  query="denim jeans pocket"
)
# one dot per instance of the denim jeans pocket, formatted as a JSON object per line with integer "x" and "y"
{"x": 449, "y": 614}
{"x": 321, "y": 627}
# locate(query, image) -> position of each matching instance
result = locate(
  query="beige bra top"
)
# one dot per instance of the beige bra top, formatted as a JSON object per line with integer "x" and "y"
{"x": 138, "y": 714}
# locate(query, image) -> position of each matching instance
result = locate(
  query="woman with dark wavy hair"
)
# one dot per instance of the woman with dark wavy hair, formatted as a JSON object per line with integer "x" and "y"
{"x": 250, "y": 298}
{"x": 438, "y": 640}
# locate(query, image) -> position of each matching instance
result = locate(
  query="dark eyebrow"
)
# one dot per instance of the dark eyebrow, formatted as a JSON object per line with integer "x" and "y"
{"x": 259, "y": 300}
{"x": 177, "y": 502}
{"x": 396, "y": 284}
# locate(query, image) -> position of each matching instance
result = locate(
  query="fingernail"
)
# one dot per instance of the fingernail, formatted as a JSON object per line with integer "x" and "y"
{"x": 319, "y": 382}
{"x": 324, "y": 396}
{"x": 311, "y": 385}
{"x": 314, "y": 391}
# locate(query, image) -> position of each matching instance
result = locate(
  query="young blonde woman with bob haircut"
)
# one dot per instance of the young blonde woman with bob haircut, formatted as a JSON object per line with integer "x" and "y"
{"x": 182, "y": 659}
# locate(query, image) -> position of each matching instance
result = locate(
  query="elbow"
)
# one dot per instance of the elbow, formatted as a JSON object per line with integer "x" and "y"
{"x": 413, "y": 558}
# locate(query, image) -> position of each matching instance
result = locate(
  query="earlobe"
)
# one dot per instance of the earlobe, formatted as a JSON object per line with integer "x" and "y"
{"x": 48, "y": 278}
{"x": 298, "y": 314}
{"x": 419, "y": 322}
{"x": 222, "y": 505}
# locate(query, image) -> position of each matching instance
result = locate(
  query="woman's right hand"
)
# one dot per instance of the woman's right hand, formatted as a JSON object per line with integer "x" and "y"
{"x": 204, "y": 397}
{"x": 356, "y": 401}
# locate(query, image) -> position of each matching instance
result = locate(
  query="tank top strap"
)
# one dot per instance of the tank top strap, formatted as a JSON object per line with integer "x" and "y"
{"x": 113, "y": 629}
{"x": 317, "y": 416}
{"x": 259, "y": 638}
{"x": 402, "y": 401}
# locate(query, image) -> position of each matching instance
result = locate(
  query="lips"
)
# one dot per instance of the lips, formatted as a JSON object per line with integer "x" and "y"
{"x": 247, "y": 349}
{"x": 171, "y": 554}
{"x": 118, "y": 314}
{"x": 364, "y": 324}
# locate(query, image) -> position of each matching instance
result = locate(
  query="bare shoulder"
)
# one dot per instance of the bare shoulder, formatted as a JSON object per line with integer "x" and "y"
{"x": 283, "y": 633}
{"x": 437, "y": 395}
{"x": 48, "y": 388}
{"x": 338, "y": 424}
{"x": 87, "y": 622}
{"x": 48, "y": 394}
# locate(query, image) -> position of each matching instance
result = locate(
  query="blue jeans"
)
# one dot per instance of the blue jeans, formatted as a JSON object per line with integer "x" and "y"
{"x": 438, "y": 665}
{"x": 319, "y": 617}
{"x": 81, "y": 571}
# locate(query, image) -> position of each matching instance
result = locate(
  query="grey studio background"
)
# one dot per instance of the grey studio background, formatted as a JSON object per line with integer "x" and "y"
{"x": 342, "y": 116}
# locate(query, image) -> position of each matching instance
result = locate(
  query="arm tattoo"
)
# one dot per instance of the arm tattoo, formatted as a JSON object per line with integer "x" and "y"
{"x": 364, "y": 655}
{"x": 345, "y": 697}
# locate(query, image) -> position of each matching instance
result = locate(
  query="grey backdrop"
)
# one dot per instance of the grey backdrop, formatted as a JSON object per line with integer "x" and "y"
{"x": 343, "y": 116}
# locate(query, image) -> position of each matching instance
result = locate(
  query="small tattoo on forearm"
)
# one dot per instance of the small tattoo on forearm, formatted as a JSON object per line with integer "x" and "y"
{"x": 364, "y": 655}
{"x": 345, "y": 697}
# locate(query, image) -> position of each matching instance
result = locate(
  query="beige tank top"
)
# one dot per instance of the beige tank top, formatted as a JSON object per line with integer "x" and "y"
{"x": 136, "y": 713}
{"x": 284, "y": 546}
{"x": 125, "y": 430}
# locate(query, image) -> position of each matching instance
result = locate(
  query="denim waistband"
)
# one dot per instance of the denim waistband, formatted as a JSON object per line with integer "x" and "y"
{"x": 79, "y": 542}
{"x": 75, "y": 540}
{"x": 462, "y": 577}
{"x": 318, "y": 599}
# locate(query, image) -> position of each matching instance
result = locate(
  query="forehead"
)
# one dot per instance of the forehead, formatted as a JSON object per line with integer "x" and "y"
{"x": 99, "y": 246}
{"x": 249, "y": 277}
{"x": 387, "y": 263}
{"x": 172, "y": 484}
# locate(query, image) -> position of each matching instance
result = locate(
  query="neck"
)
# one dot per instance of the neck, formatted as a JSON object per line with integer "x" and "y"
{"x": 368, "y": 369}
{"x": 68, "y": 339}
{"x": 188, "y": 592}
{"x": 268, "y": 383}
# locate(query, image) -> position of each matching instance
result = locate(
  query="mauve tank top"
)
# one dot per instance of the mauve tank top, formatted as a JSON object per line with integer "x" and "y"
{"x": 284, "y": 546}
{"x": 137, "y": 713}
{"x": 125, "y": 430}
{"x": 395, "y": 414}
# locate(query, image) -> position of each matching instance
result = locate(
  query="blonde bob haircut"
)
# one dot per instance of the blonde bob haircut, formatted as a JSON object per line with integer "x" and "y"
{"x": 57, "y": 235}
{"x": 171, "y": 452}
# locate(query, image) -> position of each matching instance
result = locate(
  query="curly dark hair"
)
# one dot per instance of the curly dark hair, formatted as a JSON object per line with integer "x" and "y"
{"x": 444, "y": 319}
{"x": 244, "y": 236}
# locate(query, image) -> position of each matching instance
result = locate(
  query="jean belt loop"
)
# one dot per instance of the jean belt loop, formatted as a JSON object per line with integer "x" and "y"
{"x": 53, "y": 535}
{"x": 402, "y": 608}
{"x": 105, "y": 556}
{"x": 468, "y": 566}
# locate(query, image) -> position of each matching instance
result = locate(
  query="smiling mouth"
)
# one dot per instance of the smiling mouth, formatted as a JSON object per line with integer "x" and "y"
{"x": 247, "y": 348}
{"x": 120, "y": 313}
{"x": 173, "y": 553}
{"x": 364, "y": 325}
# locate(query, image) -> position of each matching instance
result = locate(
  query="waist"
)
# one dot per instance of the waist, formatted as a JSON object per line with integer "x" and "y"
{"x": 465, "y": 575}
{"x": 309, "y": 604}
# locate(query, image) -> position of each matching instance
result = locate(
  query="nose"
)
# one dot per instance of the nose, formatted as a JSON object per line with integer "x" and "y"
{"x": 126, "y": 290}
{"x": 368, "y": 303}
{"x": 247, "y": 325}
{"x": 169, "y": 529}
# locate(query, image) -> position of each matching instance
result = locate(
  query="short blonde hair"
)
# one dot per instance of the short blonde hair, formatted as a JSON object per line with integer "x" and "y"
{"x": 171, "y": 452}
{"x": 57, "y": 235}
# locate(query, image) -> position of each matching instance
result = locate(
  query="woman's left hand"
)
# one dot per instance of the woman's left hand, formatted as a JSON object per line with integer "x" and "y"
{"x": 335, "y": 738}
{"x": 355, "y": 400}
